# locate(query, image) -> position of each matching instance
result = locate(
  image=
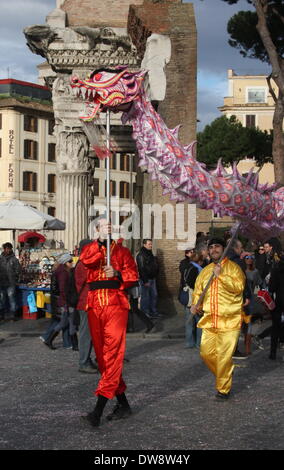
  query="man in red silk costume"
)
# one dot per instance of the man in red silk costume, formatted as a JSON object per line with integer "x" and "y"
{"x": 108, "y": 314}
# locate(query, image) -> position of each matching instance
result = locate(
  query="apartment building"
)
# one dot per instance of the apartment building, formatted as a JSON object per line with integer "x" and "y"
{"x": 28, "y": 155}
{"x": 250, "y": 101}
{"x": 27, "y": 145}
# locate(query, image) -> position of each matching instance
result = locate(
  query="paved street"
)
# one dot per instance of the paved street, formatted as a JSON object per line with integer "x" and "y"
{"x": 172, "y": 394}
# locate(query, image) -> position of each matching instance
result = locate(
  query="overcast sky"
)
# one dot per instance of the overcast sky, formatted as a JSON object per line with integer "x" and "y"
{"x": 215, "y": 56}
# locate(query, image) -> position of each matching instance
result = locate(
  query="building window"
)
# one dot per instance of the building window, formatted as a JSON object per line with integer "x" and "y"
{"x": 125, "y": 162}
{"x": 51, "y": 124}
{"x": 51, "y": 211}
{"x": 96, "y": 187}
{"x": 112, "y": 188}
{"x": 29, "y": 181}
{"x": 250, "y": 120}
{"x": 112, "y": 162}
{"x": 256, "y": 95}
{"x": 96, "y": 161}
{"x": 30, "y": 123}
{"x": 30, "y": 149}
{"x": 51, "y": 183}
{"x": 124, "y": 190}
{"x": 51, "y": 153}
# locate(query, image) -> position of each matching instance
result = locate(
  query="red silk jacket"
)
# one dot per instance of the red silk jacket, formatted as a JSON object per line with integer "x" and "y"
{"x": 93, "y": 257}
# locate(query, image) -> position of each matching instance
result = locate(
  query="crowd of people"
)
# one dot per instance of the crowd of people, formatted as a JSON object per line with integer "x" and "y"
{"x": 93, "y": 302}
{"x": 262, "y": 265}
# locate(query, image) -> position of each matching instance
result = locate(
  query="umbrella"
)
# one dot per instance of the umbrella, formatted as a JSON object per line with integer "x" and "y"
{"x": 24, "y": 237}
{"x": 18, "y": 215}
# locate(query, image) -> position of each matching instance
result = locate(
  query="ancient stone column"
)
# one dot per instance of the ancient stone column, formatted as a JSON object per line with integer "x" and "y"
{"x": 77, "y": 50}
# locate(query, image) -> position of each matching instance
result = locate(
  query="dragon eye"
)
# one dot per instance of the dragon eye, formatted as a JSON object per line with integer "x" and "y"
{"x": 98, "y": 76}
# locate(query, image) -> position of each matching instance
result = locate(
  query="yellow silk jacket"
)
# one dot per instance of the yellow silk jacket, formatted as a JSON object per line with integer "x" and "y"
{"x": 223, "y": 301}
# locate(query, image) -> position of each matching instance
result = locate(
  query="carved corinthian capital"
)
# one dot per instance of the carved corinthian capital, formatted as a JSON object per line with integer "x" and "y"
{"x": 72, "y": 152}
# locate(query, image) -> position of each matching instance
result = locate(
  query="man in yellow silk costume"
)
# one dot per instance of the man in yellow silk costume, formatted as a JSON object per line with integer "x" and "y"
{"x": 222, "y": 315}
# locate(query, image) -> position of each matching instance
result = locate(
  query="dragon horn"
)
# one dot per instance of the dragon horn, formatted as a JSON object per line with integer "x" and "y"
{"x": 175, "y": 131}
{"x": 220, "y": 170}
{"x": 236, "y": 172}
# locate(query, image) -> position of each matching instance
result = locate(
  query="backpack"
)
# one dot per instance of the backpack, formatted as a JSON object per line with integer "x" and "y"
{"x": 72, "y": 294}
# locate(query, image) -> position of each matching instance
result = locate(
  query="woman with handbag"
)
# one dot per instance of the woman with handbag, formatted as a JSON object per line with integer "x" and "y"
{"x": 189, "y": 269}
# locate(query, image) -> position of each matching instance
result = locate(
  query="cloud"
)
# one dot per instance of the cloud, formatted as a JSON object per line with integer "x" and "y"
{"x": 215, "y": 56}
{"x": 18, "y": 62}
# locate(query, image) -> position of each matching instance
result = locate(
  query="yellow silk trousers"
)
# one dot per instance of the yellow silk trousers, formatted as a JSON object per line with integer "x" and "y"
{"x": 216, "y": 349}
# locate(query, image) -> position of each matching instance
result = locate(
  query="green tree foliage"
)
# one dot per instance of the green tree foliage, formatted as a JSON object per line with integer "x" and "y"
{"x": 259, "y": 34}
{"x": 245, "y": 37}
{"x": 227, "y": 139}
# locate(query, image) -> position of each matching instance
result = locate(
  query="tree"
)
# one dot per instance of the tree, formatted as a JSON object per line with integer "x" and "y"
{"x": 227, "y": 139}
{"x": 260, "y": 34}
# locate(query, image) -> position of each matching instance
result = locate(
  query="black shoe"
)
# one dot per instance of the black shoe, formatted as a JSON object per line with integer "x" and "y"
{"x": 92, "y": 419}
{"x": 74, "y": 342}
{"x": 88, "y": 370}
{"x": 272, "y": 357}
{"x": 222, "y": 396}
{"x": 119, "y": 412}
{"x": 239, "y": 355}
{"x": 150, "y": 327}
{"x": 51, "y": 337}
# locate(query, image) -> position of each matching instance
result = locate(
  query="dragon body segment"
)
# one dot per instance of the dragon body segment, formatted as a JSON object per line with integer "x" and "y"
{"x": 260, "y": 208}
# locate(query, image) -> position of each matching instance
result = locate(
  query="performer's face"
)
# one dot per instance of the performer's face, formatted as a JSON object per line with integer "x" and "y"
{"x": 103, "y": 228}
{"x": 215, "y": 252}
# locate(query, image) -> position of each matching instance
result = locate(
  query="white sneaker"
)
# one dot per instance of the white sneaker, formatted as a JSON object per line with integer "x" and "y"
{"x": 258, "y": 342}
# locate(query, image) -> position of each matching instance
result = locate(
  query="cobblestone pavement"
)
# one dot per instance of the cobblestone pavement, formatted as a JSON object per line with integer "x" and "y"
{"x": 170, "y": 390}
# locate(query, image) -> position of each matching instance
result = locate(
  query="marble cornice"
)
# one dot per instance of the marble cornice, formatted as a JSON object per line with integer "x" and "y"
{"x": 68, "y": 59}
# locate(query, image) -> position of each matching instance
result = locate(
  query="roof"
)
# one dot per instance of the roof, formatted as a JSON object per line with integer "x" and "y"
{"x": 11, "y": 87}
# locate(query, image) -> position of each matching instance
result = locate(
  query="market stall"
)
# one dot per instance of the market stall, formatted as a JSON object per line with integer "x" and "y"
{"x": 34, "y": 285}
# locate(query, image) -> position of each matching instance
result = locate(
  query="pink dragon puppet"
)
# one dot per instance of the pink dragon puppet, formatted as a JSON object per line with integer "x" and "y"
{"x": 258, "y": 208}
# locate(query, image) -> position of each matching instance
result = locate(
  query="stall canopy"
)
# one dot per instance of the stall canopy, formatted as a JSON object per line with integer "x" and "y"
{"x": 17, "y": 215}
{"x": 25, "y": 237}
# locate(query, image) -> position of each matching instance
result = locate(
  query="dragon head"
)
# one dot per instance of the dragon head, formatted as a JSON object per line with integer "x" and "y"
{"x": 107, "y": 88}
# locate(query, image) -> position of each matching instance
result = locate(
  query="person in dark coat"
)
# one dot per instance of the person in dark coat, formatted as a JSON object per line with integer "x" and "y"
{"x": 234, "y": 254}
{"x": 85, "y": 342}
{"x": 148, "y": 270}
{"x": 189, "y": 270}
{"x": 10, "y": 270}
{"x": 62, "y": 274}
{"x": 260, "y": 260}
{"x": 276, "y": 284}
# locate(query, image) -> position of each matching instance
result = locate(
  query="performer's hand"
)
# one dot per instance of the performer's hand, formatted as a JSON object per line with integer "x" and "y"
{"x": 194, "y": 310}
{"x": 246, "y": 303}
{"x": 109, "y": 271}
{"x": 217, "y": 270}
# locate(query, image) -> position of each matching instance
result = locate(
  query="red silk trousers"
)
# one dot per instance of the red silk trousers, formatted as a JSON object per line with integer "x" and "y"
{"x": 108, "y": 331}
